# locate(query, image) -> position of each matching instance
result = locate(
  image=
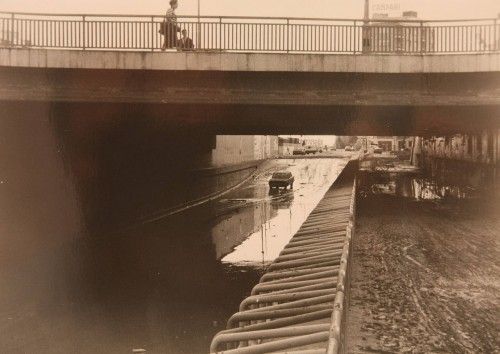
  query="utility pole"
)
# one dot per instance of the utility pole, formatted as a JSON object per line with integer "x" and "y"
{"x": 366, "y": 28}
{"x": 198, "y": 29}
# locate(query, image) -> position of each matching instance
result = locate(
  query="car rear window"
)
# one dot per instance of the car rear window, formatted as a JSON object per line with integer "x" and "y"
{"x": 281, "y": 175}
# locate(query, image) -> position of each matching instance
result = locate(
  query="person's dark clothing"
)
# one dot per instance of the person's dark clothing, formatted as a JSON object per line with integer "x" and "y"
{"x": 185, "y": 44}
{"x": 169, "y": 30}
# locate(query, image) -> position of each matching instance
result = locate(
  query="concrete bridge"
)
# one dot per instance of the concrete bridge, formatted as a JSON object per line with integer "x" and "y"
{"x": 262, "y": 92}
{"x": 250, "y": 75}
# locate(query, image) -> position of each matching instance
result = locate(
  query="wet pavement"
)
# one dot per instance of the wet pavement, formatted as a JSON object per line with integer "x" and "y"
{"x": 426, "y": 268}
{"x": 166, "y": 286}
{"x": 281, "y": 211}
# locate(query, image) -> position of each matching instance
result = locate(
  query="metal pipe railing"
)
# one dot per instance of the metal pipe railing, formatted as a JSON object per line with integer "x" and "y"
{"x": 41, "y": 14}
{"x": 336, "y": 339}
{"x": 250, "y": 34}
{"x": 300, "y": 299}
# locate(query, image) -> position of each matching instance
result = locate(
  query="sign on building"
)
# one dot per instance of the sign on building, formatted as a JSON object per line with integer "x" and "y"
{"x": 389, "y": 8}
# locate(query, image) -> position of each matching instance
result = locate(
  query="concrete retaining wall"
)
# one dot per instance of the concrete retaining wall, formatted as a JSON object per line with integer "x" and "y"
{"x": 53, "y": 58}
{"x": 110, "y": 170}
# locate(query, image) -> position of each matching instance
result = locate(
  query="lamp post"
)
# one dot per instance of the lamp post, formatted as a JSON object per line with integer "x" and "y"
{"x": 198, "y": 28}
{"x": 366, "y": 28}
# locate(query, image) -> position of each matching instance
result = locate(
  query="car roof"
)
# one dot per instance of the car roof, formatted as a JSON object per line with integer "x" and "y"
{"x": 282, "y": 174}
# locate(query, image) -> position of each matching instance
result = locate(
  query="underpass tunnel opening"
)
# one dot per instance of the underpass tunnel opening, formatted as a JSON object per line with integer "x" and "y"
{"x": 125, "y": 161}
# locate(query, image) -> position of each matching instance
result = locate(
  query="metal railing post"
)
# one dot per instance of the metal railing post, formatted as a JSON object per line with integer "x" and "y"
{"x": 220, "y": 34}
{"x": 84, "y": 32}
{"x": 495, "y": 36}
{"x": 288, "y": 35}
{"x": 198, "y": 33}
{"x": 153, "y": 34}
{"x": 12, "y": 29}
{"x": 422, "y": 42}
{"x": 355, "y": 37}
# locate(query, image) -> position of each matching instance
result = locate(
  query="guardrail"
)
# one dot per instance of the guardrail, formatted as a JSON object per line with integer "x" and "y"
{"x": 299, "y": 305}
{"x": 251, "y": 34}
{"x": 337, "y": 336}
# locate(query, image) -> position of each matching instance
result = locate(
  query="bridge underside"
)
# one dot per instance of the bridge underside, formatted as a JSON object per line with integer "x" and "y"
{"x": 272, "y": 119}
{"x": 265, "y": 102}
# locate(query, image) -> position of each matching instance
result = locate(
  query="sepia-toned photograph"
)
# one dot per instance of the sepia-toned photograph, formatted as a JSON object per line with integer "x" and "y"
{"x": 249, "y": 176}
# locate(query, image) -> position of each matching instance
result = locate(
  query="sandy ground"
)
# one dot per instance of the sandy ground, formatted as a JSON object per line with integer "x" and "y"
{"x": 425, "y": 277}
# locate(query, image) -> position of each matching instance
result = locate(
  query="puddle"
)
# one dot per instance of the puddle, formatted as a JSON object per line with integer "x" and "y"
{"x": 411, "y": 183}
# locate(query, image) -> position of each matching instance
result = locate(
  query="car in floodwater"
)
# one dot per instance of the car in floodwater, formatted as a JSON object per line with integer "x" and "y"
{"x": 281, "y": 179}
{"x": 299, "y": 151}
{"x": 311, "y": 150}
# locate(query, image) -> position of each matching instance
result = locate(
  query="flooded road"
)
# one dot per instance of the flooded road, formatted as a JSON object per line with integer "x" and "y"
{"x": 166, "y": 286}
{"x": 281, "y": 211}
{"x": 425, "y": 276}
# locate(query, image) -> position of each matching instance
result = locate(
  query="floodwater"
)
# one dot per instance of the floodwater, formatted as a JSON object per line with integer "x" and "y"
{"x": 399, "y": 178}
{"x": 414, "y": 186}
{"x": 425, "y": 276}
{"x": 166, "y": 286}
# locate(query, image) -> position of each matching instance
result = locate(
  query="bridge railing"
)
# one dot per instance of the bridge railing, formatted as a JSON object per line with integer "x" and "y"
{"x": 251, "y": 34}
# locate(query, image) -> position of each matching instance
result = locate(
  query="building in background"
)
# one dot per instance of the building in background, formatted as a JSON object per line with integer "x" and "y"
{"x": 386, "y": 32}
{"x": 389, "y": 143}
{"x": 343, "y": 141}
{"x": 265, "y": 146}
{"x": 483, "y": 148}
{"x": 467, "y": 160}
{"x": 313, "y": 143}
{"x": 287, "y": 145}
{"x": 234, "y": 149}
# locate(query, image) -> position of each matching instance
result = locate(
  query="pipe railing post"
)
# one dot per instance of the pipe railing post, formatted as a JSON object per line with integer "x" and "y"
{"x": 12, "y": 17}
{"x": 355, "y": 37}
{"x": 153, "y": 35}
{"x": 198, "y": 28}
{"x": 198, "y": 33}
{"x": 84, "y": 33}
{"x": 495, "y": 35}
{"x": 220, "y": 34}
{"x": 288, "y": 35}
{"x": 422, "y": 42}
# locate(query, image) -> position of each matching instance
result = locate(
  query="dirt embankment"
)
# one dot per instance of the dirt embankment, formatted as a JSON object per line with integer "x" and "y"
{"x": 426, "y": 277}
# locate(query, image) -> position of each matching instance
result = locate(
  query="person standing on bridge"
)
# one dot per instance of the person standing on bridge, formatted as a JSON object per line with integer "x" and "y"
{"x": 169, "y": 27}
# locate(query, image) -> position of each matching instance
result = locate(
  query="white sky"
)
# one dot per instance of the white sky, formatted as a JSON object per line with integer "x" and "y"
{"x": 427, "y": 9}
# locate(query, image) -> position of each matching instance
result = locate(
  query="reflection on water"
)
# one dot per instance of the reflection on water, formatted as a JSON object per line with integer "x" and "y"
{"x": 429, "y": 189}
{"x": 280, "y": 213}
{"x": 435, "y": 179}
{"x": 264, "y": 244}
{"x": 413, "y": 186}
